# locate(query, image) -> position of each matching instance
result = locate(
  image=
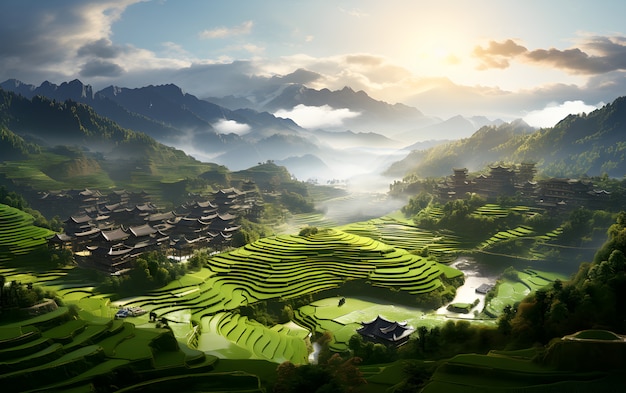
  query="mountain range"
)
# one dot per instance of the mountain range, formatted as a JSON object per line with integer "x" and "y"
{"x": 238, "y": 132}
{"x": 214, "y": 130}
{"x": 590, "y": 144}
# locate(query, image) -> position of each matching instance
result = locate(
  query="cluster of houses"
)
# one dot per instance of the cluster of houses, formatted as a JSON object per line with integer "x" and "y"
{"x": 504, "y": 181}
{"x": 110, "y": 231}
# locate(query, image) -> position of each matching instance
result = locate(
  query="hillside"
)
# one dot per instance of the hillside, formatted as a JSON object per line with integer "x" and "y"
{"x": 51, "y": 145}
{"x": 590, "y": 144}
{"x": 487, "y": 145}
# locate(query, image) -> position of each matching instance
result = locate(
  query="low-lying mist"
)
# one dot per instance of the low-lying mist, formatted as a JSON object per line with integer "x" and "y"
{"x": 366, "y": 198}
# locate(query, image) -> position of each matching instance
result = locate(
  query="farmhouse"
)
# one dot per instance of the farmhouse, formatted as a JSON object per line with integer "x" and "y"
{"x": 380, "y": 330}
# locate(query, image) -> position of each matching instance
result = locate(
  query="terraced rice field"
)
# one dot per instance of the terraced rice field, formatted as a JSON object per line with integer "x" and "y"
{"x": 282, "y": 267}
{"x": 511, "y": 291}
{"x": 274, "y": 268}
{"x": 514, "y": 371}
{"x": 18, "y": 237}
{"x": 494, "y": 210}
{"x": 521, "y": 232}
{"x": 407, "y": 236}
{"x": 55, "y": 352}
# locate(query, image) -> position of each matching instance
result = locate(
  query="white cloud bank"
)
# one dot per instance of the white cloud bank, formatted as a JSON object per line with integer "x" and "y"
{"x": 553, "y": 113}
{"x": 313, "y": 117}
{"x": 224, "y": 126}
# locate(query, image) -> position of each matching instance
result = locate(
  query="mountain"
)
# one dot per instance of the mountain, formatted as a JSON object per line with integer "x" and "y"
{"x": 277, "y": 145}
{"x": 14, "y": 147}
{"x": 164, "y": 112}
{"x": 349, "y": 138}
{"x": 586, "y": 144}
{"x": 487, "y": 145}
{"x": 237, "y": 138}
{"x": 374, "y": 116}
{"x": 456, "y": 127}
{"x": 305, "y": 167}
{"x": 51, "y": 145}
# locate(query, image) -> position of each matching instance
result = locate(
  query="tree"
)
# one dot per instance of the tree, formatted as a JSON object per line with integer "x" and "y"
{"x": 2, "y": 282}
{"x": 422, "y": 332}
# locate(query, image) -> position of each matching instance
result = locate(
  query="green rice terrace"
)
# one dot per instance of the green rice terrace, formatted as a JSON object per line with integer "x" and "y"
{"x": 348, "y": 275}
{"x": 18, "y": 237}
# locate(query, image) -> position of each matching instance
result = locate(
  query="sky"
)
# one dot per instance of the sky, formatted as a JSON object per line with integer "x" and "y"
{"x": 537, "y": 60}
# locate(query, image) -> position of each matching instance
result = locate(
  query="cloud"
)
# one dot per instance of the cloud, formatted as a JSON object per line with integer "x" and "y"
{"x": 553, "y": 113}
{"x": 354, "y": 12}
{"x": 224, "y": 126}
{"x": 497, "y": 54}
{"x": 603, "y": 54}
{"x": 102, "y": 48}
{"x": 313, "y": 117}
{"x": 300, "y": 76}
{"x": 49, "y": 36}
{"x": 365, "y": 59}
{"x": 97, "y": 68}
{"x": 593, "y": 55}
{"x": 223, "y": 32}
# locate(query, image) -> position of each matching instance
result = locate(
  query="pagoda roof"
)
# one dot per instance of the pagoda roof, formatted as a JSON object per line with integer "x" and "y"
{"x": 115, "y": 235}
{"x": 88, "y": 192}
{"x": 146, "y": 207}
{"x": 202, "y": 205}
{"x": 226, "y": 216}
{"x": 383, "y": 329}
{"x": 83, "y": 218}
{"x": 112, "y": 207}
{"x": 228, "y": 191}
{"x": 90, "y": 232}
{"x": 161, "y": 216}
{"x": 500, "y": 167}
{"x": 60, "y": 238}
{"x": 190, "y": 222}
{"x": 142, "y": 230}
{"x": 209, "y": 217}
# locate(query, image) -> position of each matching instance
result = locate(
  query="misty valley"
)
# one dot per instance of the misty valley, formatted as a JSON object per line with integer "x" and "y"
{"x": 151, "y": 240}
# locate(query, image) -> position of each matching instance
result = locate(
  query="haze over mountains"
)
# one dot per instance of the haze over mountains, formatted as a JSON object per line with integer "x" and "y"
{"x": 344, "y": 133}
{"x": 240, "y": 131}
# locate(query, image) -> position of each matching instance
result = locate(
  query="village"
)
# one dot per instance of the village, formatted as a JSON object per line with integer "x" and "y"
{"x": 109, "y": 231}
{"x": 554, "y": 194}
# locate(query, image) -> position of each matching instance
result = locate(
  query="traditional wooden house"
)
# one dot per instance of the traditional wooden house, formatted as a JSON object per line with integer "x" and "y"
{"x": 189, "y": 227}
{"x": 83, "y": 239}
{"x": 119, "y": 197}
{"x": 499, "y": 182}
{"x": 224, "y": 223}
{"x": 108, "y": 239}
{"x": 60, "y": 241}
{"x": 455, "y": 186}
{"x": 199, "y": 209}
{"x": 568, "y": 193}
{"x": 381, "y": 330}
{"x": 226, "y": 199}
{"x": 111, "y": 259}
{"x": 77, "y": 224}
{"x": 185, "y": 247}
{"x": 159, "y": 218}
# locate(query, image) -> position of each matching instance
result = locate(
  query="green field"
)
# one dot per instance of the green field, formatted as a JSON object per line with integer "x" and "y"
{"x": 203, "y": 307}
{"x": 18, "y": 236}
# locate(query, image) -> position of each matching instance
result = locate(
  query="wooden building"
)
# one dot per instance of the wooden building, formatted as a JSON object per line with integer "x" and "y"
{"x": 383, "y": 331}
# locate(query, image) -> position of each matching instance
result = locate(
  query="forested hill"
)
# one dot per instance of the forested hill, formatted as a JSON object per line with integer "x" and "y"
{"x": 48, "y": 122}
{"x": 591, "y": 144}
{"x": 14, "y": 147}
{"x": 51, "y": 145}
